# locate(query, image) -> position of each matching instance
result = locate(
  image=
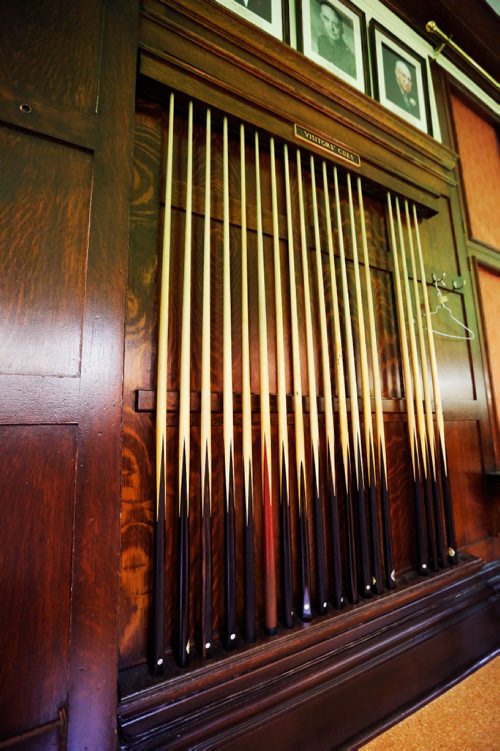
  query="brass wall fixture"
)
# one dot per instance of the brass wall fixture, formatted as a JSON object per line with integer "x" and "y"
{"x": 432, "y": 28}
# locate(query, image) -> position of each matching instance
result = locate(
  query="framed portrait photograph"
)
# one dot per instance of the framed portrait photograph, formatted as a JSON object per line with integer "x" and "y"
{"x": 400, "y": 78}
{"x": 334, "y": 35}
{"x": 269, "y": 15}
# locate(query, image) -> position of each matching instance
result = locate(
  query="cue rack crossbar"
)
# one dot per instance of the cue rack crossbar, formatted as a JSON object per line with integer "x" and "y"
{"x": 266, "y": 298}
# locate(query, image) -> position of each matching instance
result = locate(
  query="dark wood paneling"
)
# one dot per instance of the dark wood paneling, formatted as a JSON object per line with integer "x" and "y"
{"x": 53, "y": 50}
{"x": 38, "y": 399}
{"x": 488, "y": 287}
{"x": 60, "y": 59}
{"x": 140, "y": 356}
{"x": 468, "y": 482}
{"x": 140, "y": 363}
{"x": 454, "y": 357}
{"x": 38, "y": 486}
{"x": 64, "y": 218}
{"x": 183, "y": 49}
{"x": 478, "y": 145}
{"x": 437, "y": 233}
{"x": 44, "y": 216}
{"x": 402, "y": 508}
{"x": 38, "y": 115}
{"x": 92, "y": 704}
{"x": 456, "y": 374}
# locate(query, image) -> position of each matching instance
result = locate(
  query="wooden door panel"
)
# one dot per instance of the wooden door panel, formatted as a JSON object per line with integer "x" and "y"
{"x": 478, "y": 145}
{"x": 468, "y": 483}
{"x": 67, "y": 82}
{"x": 44, "y": 220}
{"x": 38, "y": 487}
{"x": 439, "y": 243}
{"x": 488, "y": 287}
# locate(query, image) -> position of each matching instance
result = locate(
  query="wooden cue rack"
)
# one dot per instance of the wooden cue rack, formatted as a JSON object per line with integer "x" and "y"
{"x": 224, "y": 697}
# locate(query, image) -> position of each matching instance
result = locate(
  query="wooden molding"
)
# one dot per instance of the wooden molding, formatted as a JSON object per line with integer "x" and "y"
{"x": 245, "y": 700}
{"x": 145, "y": 401}
{"x": 40, "y": 115}
{"x": 210, "y": 54}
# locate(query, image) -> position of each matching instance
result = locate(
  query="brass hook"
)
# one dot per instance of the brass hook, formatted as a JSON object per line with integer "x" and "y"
{"x": 438, "y": 279}
{"x": 459, "y": 283}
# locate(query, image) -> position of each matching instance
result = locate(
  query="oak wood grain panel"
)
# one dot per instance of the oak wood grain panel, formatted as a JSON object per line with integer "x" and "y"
{"x": 64, "y": 50}
{"x": 38, "y": 399}
{"x": 139, "y": 366}
{"x": 38, "y": 475}
{"x": 487, "y": 549}
{"x": 32, "y": 112}
{"x": 44, "y": 218}
{"x": 92, "y": 677}
{"x": 440, "y": 243}
{"x": 478, "y": 146}
{"x": 387, "y": 335}
{"x": 488, "y": 280}
{"x": 401, "y": 502}
{"x": 468, "y": 483}
{"x": 64, "y": 223}
{"x": 454, "y": 356}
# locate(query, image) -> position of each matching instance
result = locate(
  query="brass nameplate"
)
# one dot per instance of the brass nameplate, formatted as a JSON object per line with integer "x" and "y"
{"x": 336, "y": 149}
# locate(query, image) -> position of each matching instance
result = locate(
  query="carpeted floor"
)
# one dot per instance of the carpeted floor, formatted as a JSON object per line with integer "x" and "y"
{"x": 465, "y": 718}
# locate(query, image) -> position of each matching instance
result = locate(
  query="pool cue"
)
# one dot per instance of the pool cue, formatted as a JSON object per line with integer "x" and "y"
{"x": 286, "y": 552}
{"x": 364, "y": 581}
{"x": 412, "y": 434}
{"x": 431, "y": 443}
{"x": 390, "y": 574}
{"x": 229, "y": 631}
{"x": 319, "y": 532}
{"x": 248, "y": 536}
{"x": 421, "y": 428}
{"x": 206, "y": 418}
{"x": 305, "y": 609}
{"x": 270, "y": 615}
{"x": 327, "y": 389}
{"x": 182, "y": 650}
{"x": 158, "y": 646}
{"x": 441, "y": 444}
{"x": 376, "y": 561}
{"x": 351, "y": 573}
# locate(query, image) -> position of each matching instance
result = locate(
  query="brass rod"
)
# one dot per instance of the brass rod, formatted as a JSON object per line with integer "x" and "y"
{"x": 433, "y": 28}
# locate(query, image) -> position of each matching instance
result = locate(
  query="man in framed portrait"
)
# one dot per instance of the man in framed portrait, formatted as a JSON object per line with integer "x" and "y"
{"x": 399, "y": 84}
{"x": 330, "y": 42}
{"x": 261, "y": 8}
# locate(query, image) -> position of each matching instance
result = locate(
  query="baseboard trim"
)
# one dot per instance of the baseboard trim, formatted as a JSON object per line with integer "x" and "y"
{"x": 329, "y": 686}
